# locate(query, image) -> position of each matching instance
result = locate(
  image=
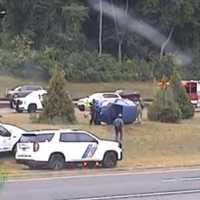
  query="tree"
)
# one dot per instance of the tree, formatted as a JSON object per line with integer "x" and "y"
{"x": 181, "y": 97}
{"x": 100, "y": 26}
{"x": 58, "y": 106}
{"x": 120, "y": 31}
{"x": 164, "y": 107}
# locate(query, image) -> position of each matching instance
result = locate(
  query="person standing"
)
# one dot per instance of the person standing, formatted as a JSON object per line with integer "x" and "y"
{"x": 93, "y": 112}
{"x": 140, "y": 107}
{"x": 118, "y": 124}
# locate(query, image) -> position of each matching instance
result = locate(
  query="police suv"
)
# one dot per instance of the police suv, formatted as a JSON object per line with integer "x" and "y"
{"x": 55, "y": 148}
{"x": 9, "y": 136}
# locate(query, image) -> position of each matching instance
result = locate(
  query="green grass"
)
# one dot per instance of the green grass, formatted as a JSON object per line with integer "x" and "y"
{"x": 146, "y": 145}
{"x": 77, "y": 90}
{"x": 8, "y": 82}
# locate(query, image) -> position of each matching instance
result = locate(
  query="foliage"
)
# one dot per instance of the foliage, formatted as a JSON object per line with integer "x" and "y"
{"x": 58, "y": 106}
{"x": 186, "y": 107}
{"x": 36, "y": 35}
{"x": 164, "y": 108}
{"x": 164, "y": 67}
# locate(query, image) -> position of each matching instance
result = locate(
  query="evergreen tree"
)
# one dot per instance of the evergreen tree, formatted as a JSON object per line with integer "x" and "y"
{"x": 164, "y": 108}
{"x": 58, "y": 106}
{"x": 181, "y": 97}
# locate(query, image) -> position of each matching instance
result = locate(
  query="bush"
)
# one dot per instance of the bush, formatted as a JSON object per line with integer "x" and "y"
{"x": 58, "y": 107}
{"x": 164, "y": 108}
{"x": 186, "y": 107}
{"x": 164, "y": 67}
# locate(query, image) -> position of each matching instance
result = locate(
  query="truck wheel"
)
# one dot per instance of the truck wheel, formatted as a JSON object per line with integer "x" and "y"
{"x": 32, "y": 108}
{"x": 81, "y": 107}
{"x": 14, "y": 150}
{"x": 56, "y": 162}
{"x": 109, "y": 160}
{"x": 19, "y": 111}
{"x": 33, "y": 166}
{"x": 11, "y": 103}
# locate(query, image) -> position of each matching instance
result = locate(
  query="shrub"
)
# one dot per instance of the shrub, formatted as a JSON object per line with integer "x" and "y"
{"x": 58, "y": 106}
{"x": 164, "y": 108}
{"x": 186, "y": 107}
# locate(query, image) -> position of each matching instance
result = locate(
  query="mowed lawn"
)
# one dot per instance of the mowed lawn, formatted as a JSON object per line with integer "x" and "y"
{"x": 146, "y": 145}
{"x": 77, "y": 90}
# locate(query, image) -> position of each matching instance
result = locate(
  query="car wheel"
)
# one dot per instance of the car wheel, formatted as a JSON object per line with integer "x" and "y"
{"x": 11, "y": 104}
{"x": 33, "y": 166}
{"x": 56, "y": 162}
{"x": 81, "y": 107}
{"x": 109, "y": 160}
{"x": 14, "y": 150}
{"x": 32, "y": 108}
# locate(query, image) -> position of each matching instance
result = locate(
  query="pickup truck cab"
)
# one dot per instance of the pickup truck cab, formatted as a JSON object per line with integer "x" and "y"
{"x": 55, "y": 148}
{"x": 108, "y": 96}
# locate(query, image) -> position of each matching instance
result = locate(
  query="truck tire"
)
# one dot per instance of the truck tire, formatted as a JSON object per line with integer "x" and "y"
{"x": 81, "y": 108}
{"x": 109, "y": 160}
{"x": 14, "y": 150}
{"x": 56, "y": 162}
{"x": 32, "y": 108}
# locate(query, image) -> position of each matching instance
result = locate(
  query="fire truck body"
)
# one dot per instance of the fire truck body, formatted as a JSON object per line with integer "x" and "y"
{"x": 193, "y": 90}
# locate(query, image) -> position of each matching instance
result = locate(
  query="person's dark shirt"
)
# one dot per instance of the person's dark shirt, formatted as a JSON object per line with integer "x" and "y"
{"x": 118, "y": 123}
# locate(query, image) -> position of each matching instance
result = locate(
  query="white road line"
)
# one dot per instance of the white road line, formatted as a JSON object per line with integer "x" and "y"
{"x": 169, "y": 180}
{"x": 153, "y": 194}
{"x": 190, "y": 179}
{"x": 101, "y": 175}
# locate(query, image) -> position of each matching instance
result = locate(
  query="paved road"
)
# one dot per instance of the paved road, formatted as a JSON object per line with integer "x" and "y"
{"x": 148, "y": 185}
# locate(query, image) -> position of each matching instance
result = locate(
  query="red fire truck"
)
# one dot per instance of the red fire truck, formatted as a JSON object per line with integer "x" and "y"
{"x": 193, "y": 90}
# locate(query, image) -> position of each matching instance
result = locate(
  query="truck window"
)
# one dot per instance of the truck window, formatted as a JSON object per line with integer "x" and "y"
{"x": 36, "y": 138}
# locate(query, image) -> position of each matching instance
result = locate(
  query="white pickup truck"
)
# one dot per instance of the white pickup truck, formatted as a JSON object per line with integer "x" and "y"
{"x": 55, "y": 148}
{"x": 31, "y": 102}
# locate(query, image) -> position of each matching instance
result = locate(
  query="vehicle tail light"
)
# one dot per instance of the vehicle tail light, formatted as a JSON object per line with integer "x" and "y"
{"x": 36, "y": 147}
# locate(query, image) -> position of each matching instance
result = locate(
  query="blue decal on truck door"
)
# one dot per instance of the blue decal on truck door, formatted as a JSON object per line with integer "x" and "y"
{"x": 90, "y": 151}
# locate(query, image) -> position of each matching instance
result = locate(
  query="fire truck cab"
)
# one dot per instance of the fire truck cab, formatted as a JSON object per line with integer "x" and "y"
{"x": 193, "y": 90}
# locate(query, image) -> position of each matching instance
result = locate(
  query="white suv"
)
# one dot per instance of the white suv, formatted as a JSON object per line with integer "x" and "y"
{"x": 55, "y": 148}
{"x": 9, "y": 136}
{"x": 31, "y": 102}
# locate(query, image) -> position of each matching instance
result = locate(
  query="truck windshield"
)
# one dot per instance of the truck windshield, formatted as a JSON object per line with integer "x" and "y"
{"x": 36, "y": 138}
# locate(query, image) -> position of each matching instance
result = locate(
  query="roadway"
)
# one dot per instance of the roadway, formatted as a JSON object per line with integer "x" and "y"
{"x": 145, "y": 185}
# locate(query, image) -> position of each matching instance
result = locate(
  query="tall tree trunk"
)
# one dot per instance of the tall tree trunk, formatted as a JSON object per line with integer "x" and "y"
{"x": 166, "y": 42}
{"x": 120, "y": 34}
{"x": 120, "y": 50}
{"x": 100, "y": 27}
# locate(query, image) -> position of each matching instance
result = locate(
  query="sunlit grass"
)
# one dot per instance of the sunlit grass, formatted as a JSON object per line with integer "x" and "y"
{"x": 145, "y": 145}
{"x": 78, "y": 90}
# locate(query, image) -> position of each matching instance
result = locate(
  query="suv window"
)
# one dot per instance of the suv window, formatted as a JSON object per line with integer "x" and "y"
{"x": 68, "y": 137}
{"x": 110, "y": 96}
{"x": 76, "y": 137}
{"x": 4, "y": 132}
{"x": 36, "y": 138}
{"x": 31, "y": 87}
{"x": 82, "y": 137}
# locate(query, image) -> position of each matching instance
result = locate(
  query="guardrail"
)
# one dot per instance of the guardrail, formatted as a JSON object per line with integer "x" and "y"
{"x": 4, "y": 102}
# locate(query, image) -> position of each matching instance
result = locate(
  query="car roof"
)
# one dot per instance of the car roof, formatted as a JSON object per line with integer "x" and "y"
{"x": 37, "y": 132}
{"x": 6, "y": 125}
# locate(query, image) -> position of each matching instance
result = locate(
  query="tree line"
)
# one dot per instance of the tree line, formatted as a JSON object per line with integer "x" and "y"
{"x": 99, "y": 40}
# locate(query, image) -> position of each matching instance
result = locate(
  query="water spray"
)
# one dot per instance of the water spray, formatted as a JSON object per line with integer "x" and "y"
{"x": 141, "y": 28}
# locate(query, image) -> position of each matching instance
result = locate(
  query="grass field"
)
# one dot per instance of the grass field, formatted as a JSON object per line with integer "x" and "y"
{"x": 146, "y": 145}
{"x": 77, "y": 90}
